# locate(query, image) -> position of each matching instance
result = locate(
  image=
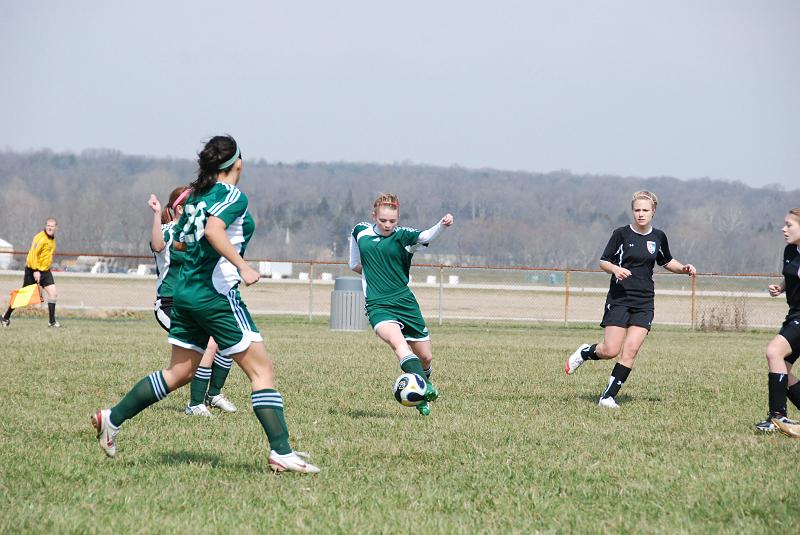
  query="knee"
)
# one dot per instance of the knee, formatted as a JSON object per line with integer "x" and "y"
{"x": 52, "y": 293}
{"x": 425, "y": 360}
{"x": 773, "y": 354}
{"x": 179, "y": 375}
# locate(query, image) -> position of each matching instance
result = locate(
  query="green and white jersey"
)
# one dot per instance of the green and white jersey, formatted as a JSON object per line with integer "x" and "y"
{"x": 205, "y": 272}
{"x": 168, "y": 262}
{"x": 385, "y": 260}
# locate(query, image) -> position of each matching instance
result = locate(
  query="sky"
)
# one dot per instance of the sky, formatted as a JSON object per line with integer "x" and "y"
{"x": 682, "y": 88}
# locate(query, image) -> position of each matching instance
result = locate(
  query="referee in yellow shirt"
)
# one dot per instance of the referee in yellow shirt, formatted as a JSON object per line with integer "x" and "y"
{"x": 37, "y": 269}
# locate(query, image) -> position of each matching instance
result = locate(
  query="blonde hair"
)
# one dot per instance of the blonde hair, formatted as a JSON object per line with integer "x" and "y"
{"x": 795, "y": 212}
{"x": 645, "y": 195}
{"x": 386, "y": 199}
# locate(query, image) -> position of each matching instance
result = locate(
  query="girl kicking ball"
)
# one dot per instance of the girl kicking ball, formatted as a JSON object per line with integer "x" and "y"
{"x": 381, "y": 252}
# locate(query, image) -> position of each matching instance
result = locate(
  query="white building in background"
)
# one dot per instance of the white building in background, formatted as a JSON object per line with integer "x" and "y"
{"x": 275, "y": 270}
{"x": 5, "y": 254}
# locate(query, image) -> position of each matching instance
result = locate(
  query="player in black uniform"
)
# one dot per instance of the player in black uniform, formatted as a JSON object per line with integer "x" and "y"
{"x": 783, "y": 350}
{"x": 629, "y": 257}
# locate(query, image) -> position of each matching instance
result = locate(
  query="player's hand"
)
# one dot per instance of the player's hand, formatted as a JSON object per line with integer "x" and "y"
{"x": 689, "y": 269}
{"x": 622, "y": 274}
{"x": 249, "y": 275}
{"x": 36, "y": 276}
{"x": 775, "y": 290}
{"x": 153, "y": 203}
{"x": 447, "y": 220}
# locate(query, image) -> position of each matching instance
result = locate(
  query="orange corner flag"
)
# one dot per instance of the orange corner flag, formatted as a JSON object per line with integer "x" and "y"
{"x": 27, "y": 295}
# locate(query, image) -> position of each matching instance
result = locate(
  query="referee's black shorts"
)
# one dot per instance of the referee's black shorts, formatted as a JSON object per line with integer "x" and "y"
{"x": 45, "y": 278}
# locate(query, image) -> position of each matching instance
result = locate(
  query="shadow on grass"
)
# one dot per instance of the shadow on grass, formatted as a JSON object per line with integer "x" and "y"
{"x": 212, "y": 460}
{"x": 622, "y": 398}
{"x": 190, "y": 457}
{"x": 359, "y": 413}
{"x": 177, "y": 458}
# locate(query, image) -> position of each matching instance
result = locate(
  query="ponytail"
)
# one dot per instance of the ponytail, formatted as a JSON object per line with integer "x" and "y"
{"x": 219, "y": 155}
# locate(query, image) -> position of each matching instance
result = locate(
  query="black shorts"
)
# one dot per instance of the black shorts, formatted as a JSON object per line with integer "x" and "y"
{"x": 45, "y": 278}
{"x": 791, "y": 331}
{"x": 624, "y": 316}
{"x": 163, "y": 312}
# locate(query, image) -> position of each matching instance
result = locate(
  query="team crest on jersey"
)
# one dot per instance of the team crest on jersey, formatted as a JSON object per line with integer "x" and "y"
{"x": 651, "y": 247}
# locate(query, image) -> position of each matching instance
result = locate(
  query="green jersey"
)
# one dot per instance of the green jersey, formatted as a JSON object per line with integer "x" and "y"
{"x": 385, "y": 260}
{"x": 168, "y": 262}
{"x": 205, "y": 273}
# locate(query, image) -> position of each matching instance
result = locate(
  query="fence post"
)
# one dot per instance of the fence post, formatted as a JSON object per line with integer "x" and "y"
{"x": 311, "y": 291}
{"x": 566, "y": 298}
{"x": 694, "y": 297}
{"x": 441, "y": 291}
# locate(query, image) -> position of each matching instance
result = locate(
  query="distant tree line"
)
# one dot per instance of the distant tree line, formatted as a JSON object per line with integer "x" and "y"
{"x": 306, "y": 210}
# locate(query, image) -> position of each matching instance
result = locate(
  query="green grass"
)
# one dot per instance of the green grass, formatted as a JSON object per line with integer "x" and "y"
{"x": 512, "y": 446}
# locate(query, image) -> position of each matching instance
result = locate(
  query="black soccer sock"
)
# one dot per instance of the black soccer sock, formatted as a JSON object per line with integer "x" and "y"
{"x": 777, "y": 383}
{"x": 618, "y": 376}
{"x": 7, "y": 315}
{"x": 793, "y": 394}
{"x": 589, "y": 354}
{"x": 51, "y": 309}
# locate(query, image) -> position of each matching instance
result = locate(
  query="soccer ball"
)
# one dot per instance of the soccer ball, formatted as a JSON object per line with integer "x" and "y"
{"x": 409, "y": 389}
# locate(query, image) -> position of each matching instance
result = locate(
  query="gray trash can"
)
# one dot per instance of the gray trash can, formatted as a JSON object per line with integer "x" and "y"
{"x": 347, "y": 305}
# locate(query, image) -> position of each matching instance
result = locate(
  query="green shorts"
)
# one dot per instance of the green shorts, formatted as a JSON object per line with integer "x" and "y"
{"x": 225, "y": 317}
{"x": 403, "y": 311}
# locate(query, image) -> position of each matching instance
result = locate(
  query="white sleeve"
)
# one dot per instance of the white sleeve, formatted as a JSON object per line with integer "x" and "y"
{"x": 355, "y": 254}
{"x": 427, "y": 236}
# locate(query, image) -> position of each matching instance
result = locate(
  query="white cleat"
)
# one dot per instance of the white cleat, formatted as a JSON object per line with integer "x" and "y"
{"x": 608, "y": 403}
{"x": 105, "y": 431}
{"x": 788, "y": 427}
{"x": 198, "y": 410}
{"x": 221, "y": 402}
{"x": 575, "y": 360}
{"x": 291, "y": 462}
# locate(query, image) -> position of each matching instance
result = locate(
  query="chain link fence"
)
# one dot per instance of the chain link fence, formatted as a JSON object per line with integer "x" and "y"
{"x": 96, "y": 284}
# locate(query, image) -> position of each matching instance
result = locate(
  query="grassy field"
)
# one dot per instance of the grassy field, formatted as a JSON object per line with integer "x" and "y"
{"x": 512, "y": 446}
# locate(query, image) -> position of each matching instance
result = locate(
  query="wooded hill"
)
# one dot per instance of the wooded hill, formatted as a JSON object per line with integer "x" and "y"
{"x": 306, "y": 210}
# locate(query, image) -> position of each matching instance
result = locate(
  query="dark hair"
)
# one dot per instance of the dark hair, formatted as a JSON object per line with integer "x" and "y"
{"x": 217, "y": 151}
{"x": 167, "y": 210}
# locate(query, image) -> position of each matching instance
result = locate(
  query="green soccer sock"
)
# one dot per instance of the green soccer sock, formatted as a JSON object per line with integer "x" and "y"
{"x": 219, "y": 373}
{"x": 411, "y": 364}
{"x": 268, "y": 406}
{"x": 199, "y": 386}
{"x": 149, "y": 390}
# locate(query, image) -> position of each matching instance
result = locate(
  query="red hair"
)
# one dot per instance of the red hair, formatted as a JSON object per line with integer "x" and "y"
{"x": 177, "y": 196}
